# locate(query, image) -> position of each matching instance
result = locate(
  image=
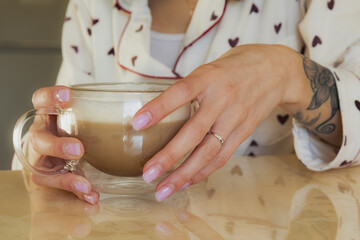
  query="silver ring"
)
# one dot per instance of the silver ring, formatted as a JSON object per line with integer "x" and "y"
{"x": 222, "y": 141}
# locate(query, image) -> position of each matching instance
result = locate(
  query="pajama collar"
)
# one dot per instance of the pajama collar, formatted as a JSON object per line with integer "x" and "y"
{"x": 133, "y": 50}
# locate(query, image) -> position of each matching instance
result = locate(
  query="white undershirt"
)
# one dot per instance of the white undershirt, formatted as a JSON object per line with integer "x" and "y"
{"x": 165, "y": 47}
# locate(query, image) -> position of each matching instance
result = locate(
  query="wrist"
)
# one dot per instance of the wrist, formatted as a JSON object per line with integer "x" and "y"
{"x": 297, "y": 92}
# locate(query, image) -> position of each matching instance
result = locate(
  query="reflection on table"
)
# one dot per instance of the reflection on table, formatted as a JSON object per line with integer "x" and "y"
{"x": 267, "y": 198}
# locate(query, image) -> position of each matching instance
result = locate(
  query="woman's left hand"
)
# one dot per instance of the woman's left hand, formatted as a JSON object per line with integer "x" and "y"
{"x": 235, "y": 94}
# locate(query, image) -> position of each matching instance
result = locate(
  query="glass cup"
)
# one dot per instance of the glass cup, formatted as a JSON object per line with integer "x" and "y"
{"x": 100, "y": 116}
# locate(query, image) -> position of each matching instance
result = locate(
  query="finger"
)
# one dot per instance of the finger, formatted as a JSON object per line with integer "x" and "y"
{"x": 254, "y": 117}
{"x": 55, "y": 201}
{"x": 92, "y": 198}
{"x": 201, "y": 156}
{"x": 166, "y": 231}
{"x": 68, "y": 182}
{"x": 178, "y": 94}
{"x": 232, "y": 143}
{"x": 62, "y": 147}
{"x": 191, "y": 134}
{"x": 56, "y": 96}
{"x": 197, "y": 226}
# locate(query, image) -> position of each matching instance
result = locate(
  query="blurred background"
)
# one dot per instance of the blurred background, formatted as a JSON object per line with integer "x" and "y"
{"x": 30, "y": 57}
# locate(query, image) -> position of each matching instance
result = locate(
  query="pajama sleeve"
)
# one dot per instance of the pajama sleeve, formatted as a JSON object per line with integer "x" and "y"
{"x": 331, "y": 33}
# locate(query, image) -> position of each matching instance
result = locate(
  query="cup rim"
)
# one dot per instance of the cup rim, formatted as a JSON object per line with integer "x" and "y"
{"x": 111, "y": 86}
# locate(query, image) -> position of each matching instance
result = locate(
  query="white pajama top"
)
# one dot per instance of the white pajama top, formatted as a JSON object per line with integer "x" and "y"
{"x": 109, "y": 41}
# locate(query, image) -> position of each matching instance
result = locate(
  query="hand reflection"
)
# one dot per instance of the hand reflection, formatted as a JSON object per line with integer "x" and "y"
{"x": 165, "y": 230}
{"x": 56, "y": 214}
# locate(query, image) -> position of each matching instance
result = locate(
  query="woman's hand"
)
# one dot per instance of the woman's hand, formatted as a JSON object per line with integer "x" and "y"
{"x": 235, "y": 93}
{"x": 45, "y": 149}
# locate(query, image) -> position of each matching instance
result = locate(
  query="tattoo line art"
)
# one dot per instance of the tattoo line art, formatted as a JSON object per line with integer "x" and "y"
{"x": 323, "y": 85}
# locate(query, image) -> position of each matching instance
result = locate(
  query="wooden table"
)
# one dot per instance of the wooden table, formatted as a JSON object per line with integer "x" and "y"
{"x": 256, "y": 198}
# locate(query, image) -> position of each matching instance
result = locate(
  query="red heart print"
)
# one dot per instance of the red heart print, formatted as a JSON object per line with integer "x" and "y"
{"x": 357, "y": 104}
{"x": 133, "y": 59}
{"x": 277, "y": 28}
{"x": 254, "y": 143}
{"x": 331, "y": 4}
{"x": 213, "y": 16}
{"x": 345, "y": 163}
{"x": 139, "y": 29}
{"x": 316, "y": 41}
{"x": 254, "y": 9}
{"x": 111, "y": 51}
{"x": 95, "y": 21}
{"x": 283, "y": 118}
{"x": 76, "y": 49}
{"x": 233, "y": 42}
{"x": 303, "y": 49}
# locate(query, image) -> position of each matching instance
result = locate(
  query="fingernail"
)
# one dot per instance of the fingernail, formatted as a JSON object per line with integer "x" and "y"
{"x": 89, "y": 199}
{"x": 164, "y": 192}
{"x": 185, "y": 185}
{"x": 151, "y": 174}
{"x": 73, "y": 149}
{"x": 163, "y": 228}
{"x": 141, "y": 121}
{"x": 81, "y": 187}
{"x": 182, "y": 215}
{"x": 63, "y": 95}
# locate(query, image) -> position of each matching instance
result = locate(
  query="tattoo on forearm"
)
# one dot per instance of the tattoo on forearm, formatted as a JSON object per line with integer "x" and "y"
{"x": 323, "y": 85}
{"x": 306, "y": 121}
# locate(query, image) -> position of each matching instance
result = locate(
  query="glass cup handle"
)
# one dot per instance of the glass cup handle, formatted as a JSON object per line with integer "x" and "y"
{"x": 17, "y": 141}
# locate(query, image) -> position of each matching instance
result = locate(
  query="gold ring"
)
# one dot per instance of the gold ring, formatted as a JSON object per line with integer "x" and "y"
{"x": 222, "y": 141}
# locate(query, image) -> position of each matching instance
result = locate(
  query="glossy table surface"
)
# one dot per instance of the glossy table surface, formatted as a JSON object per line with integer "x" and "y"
{"x": 260, "y": 198}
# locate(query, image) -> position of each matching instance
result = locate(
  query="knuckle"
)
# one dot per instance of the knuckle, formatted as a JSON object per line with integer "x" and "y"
{"x": 220, "y": 161}
{"x": 198, "y": 131}
{"x": 159, "y": 109}
{"x": 248, "y": 128}
{"x": 56, "y": 148}
{"x": 210, "y": 68}
{"x": 185, "y": 88}
{"x": 182, "y": 177}
{"x": 169, "y": 159}
{"x": 200, "y": 176}
{"x": 64, "y": 183}
{"x": 208, "y": 152}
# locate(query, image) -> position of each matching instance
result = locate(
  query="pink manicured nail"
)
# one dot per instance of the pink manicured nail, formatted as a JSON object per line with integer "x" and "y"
{"x": 89, "y": 199}
{"x": 164, "y": 192}
{"x": 63, "y": 95}
{"x": 185, "y": 185}
{"x": 73, "y": 149}
{"x": 141, "y": 121}
{"x": 151, "y": 174}
{"x": 163, "y": 228}
{"x": 81, "y": 187}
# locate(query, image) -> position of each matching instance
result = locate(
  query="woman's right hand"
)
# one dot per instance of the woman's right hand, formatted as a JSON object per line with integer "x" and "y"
{"x": 42, "y": 141}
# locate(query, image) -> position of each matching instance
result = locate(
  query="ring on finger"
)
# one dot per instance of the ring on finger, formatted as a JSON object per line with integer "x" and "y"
{"x": 222, "y": 141}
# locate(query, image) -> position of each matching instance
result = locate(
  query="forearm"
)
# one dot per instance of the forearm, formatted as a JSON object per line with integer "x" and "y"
{"x": 318, "y": 106}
